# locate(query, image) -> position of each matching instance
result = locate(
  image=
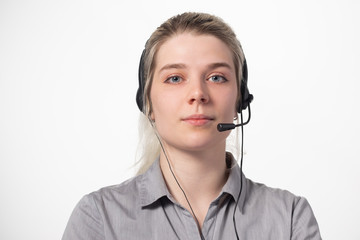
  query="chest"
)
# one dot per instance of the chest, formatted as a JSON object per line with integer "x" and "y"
{"x": 171, "y": 221}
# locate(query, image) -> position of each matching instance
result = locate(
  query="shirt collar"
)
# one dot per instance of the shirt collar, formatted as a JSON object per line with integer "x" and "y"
{"x": 153, "y": 187}
{"x": 232, "y": 185}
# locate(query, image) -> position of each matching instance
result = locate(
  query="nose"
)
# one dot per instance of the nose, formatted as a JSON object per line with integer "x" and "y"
{"x": 198, "y": 92}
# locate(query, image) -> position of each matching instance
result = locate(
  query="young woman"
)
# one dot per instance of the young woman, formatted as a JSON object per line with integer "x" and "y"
{"x": 192, "y": 77}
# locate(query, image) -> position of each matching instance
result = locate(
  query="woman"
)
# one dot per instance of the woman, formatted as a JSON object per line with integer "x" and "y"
{"x": 192, "y": 76}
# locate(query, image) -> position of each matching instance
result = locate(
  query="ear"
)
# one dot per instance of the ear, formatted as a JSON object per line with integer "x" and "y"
{"x": 152, "y": 117}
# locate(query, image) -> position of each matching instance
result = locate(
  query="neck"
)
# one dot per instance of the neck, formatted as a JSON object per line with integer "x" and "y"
{"x": 201, "y": 175}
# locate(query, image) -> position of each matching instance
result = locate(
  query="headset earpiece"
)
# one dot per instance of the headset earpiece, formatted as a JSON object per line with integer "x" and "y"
{"x": 246, "y": 97}
{"x": 140, "y": 91}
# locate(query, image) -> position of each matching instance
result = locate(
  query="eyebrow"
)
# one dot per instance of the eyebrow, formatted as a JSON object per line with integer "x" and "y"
{"x": 219, "y": 64}
{"x": 174, "y": 65}
{"x": 182, "y": 66}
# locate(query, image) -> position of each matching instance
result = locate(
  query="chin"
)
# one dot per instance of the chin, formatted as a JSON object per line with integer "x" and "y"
{"x": 196, "y": 142}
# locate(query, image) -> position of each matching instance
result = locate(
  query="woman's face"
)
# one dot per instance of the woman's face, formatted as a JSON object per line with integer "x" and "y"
{"x": 194, "y": 88}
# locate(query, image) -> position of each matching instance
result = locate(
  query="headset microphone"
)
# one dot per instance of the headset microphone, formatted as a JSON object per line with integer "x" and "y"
{"x": 221, "y": 127}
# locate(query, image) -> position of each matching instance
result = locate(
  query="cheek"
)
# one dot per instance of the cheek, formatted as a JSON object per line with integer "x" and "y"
{"x": 230, "y": 103}
{"x": 163, "y": 106}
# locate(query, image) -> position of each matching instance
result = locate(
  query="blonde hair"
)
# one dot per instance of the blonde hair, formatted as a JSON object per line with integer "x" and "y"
{"x": 197, "y": 23}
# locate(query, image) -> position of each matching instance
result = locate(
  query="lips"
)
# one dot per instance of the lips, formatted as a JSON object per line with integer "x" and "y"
{"x": 198, "y": 119}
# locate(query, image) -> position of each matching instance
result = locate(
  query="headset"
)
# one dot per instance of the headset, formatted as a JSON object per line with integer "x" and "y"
{"x": 244, "y": 102}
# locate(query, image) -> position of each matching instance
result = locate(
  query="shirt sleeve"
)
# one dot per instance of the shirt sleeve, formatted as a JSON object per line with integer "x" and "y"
{"x": 85, "y": 222}
{"x": 304, "y": 224}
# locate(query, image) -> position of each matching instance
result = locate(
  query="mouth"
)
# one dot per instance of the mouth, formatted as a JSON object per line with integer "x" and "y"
{"x": 198, "y": 119}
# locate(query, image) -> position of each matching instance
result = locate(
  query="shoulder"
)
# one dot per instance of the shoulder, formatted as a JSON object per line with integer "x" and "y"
{"x": 259, "y": 195}
{"x": 260, "y": 192}
{"x": 281, "y": 208}
{"x": 98, "y": 210}
{"x": 125, "y": 193}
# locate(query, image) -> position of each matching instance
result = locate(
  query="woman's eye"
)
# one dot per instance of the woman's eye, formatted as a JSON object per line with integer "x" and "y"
{"x": 217, "y": 79}
{"x": 173, "y": 79}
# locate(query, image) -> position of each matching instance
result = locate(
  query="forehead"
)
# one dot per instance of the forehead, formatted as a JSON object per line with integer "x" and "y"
{"x": 193, "y": 49}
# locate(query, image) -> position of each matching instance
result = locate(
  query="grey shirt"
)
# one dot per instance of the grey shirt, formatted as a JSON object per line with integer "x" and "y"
{"x": 142, "y": 208}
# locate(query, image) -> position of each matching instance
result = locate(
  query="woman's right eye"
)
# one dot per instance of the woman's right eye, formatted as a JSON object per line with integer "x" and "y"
{"x": 173, "y": 79}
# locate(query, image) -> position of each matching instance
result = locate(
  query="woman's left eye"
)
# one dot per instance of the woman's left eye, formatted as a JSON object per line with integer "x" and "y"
{"x": 217, "y": 79}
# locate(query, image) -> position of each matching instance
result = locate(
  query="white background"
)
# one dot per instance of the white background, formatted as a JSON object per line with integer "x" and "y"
{"x": 68, "y": 118}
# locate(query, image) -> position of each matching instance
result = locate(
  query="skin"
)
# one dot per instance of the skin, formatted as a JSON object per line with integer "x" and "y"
{"x": 194, "y": 88}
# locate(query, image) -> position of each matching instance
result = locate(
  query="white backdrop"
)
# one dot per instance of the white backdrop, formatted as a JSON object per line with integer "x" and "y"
{"x": 68, "y": 118}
